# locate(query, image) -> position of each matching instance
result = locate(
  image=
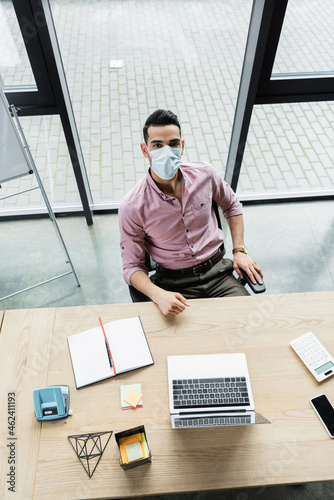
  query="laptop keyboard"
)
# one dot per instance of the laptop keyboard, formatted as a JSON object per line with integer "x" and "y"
{"x": 210, "y": 393}
{"x": 212, "y": 421}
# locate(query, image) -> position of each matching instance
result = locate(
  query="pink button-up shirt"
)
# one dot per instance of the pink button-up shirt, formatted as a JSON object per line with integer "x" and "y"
{"x": 176, "y": 236}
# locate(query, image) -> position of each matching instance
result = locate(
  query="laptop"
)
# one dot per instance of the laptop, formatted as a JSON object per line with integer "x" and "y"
{"x": 210, "y": 390}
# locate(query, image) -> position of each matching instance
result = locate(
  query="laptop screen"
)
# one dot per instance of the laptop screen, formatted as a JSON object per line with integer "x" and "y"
{"x": 209, "y": 382}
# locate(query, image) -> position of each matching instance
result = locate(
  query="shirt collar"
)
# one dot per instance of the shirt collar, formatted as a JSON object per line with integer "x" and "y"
{"x": 151, "y": 182}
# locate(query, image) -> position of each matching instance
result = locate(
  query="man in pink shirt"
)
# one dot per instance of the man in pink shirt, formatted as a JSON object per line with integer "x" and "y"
{"x": 169, "y": 213}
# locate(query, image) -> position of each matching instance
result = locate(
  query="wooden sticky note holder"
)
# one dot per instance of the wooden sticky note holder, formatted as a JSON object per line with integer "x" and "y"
{"x": 131, "y": 434}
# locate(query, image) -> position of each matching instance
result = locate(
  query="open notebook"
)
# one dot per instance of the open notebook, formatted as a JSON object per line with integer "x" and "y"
{"x": 128, "y": 346}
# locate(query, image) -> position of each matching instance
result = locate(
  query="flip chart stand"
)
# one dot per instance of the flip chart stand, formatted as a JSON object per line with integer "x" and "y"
{"x": 48, "y": 206}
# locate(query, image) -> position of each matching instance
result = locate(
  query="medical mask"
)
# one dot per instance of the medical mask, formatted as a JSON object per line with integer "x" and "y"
{"x": 166, "y": 161}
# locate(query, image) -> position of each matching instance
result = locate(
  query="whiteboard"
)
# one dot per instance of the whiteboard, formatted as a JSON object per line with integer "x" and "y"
{"x": 14, "y": 161}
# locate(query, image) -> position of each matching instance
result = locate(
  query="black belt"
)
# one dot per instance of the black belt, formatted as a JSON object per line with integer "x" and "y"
{"x": 195, "y": 270}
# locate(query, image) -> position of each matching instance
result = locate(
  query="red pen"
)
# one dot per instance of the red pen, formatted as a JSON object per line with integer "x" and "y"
{"x": 111, "y": 361}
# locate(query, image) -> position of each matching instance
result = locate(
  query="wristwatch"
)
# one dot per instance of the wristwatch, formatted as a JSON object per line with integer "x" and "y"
{"x": 242, "y": 249}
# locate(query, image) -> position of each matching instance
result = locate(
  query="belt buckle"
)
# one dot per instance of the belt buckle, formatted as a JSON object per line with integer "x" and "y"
{"x": 197, "y": 270}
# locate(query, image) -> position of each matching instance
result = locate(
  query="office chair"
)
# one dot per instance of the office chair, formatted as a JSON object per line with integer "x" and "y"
{"x": 151, "y": 265}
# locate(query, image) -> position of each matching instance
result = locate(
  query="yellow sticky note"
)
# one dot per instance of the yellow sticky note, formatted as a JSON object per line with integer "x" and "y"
{"x": 133, "y": 397}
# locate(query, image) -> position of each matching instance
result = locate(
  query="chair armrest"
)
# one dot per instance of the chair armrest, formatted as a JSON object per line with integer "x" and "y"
{"x": 137, "y": 296}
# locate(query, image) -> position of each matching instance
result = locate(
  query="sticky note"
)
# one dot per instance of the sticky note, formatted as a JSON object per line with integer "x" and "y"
{"x": 133, "y": 397}
{"x": 125, "y": 441}
{"x": 130, "y": 439}
{"x": 129, "y": 398}
{"x": 145, "y": 447}
{"x": 134, "y": 451}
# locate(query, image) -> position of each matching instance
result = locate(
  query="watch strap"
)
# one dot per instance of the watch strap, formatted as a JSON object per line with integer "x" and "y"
{"x": 242, "y": 249}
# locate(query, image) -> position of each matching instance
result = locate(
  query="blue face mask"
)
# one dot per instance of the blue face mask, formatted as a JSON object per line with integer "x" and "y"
{"x": 166, "y": 161}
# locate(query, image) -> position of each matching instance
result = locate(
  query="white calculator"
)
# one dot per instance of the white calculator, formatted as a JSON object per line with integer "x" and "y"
{"x": 314, "y": 356}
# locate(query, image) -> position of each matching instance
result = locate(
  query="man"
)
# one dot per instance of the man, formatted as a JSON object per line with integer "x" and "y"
{"x": 169, "y": 213}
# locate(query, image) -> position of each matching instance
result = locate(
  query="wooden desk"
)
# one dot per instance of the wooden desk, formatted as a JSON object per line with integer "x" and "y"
{"x": 295, "y": 448}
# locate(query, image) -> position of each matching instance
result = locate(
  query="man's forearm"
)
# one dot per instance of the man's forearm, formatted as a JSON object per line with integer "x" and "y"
{"x": 142, "y": 282}
{"x": 241, "y": 260}
{"x": 236, "y": 225}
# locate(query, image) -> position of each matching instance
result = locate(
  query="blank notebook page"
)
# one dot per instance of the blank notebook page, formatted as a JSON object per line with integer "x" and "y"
{"x": 89, "y": 357}
{"x": 128, "y": 344}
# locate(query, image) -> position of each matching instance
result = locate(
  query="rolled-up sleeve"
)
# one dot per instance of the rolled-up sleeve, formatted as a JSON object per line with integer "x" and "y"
{"x": 224, "y": 196}
{"x": 131, "y": 241}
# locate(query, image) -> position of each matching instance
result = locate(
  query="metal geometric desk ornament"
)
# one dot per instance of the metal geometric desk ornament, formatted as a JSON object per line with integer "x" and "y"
{"x": 89, "y": 448}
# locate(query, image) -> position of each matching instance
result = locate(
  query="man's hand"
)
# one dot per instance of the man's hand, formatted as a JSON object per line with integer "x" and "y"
{"x": 170, "y": 303}
{"x": 245, "y": 262}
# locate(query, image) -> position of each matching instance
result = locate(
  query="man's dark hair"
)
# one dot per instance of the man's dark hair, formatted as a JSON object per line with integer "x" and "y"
{"x": 160, "y": 117}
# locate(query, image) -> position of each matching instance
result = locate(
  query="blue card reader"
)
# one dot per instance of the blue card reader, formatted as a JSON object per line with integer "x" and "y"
{"x": 51, "y": 403}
